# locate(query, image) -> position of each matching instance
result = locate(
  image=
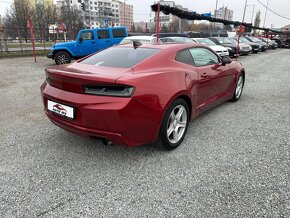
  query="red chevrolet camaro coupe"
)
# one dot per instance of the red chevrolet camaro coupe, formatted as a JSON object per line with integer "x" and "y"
{"x": 134, "y": 95}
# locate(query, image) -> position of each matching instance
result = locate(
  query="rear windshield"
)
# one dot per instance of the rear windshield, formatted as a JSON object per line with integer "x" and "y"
{"x": 255, "y": 39}
{"x": 225, "y": 41}
{"x": 206, "y": 41}
{"x": 123, "y": 57}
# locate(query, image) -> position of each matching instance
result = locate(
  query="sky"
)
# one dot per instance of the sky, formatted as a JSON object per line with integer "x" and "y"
{"x": 142, "y": 9}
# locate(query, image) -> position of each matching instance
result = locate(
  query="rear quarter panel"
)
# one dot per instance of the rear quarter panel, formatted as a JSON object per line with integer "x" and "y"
{"x": 160, "y": 80}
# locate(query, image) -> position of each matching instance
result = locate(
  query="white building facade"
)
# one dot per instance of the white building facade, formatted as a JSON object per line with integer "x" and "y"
{"x": 223, "y": 13}
{"x": 102, "y": 13}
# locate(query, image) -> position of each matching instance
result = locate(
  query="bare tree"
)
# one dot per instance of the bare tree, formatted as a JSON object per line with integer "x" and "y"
{"x": 45, "y": 14}
{"x": 70, "y": 15}
{"x": 17, "y": 16}
{"x": 201, "y": 27}
{"x": 257, "y": 21}
{"x": 174, "y": 25}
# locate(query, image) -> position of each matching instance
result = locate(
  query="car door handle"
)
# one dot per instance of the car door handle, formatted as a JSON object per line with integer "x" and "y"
{"x": 204, "y": 75}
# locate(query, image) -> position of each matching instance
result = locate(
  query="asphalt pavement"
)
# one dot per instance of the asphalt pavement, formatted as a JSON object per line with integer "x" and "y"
{"x": 234, "y": 161}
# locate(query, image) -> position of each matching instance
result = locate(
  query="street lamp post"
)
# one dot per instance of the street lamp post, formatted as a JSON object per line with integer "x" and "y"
{"x": 266, "y": 13}
{"x": 216, "y": 5}
{"x": 239, "y": 33}
{"x": 252, "y": 12}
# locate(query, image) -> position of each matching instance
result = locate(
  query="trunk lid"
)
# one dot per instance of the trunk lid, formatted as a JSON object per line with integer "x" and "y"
{"x": 73, "y": 77}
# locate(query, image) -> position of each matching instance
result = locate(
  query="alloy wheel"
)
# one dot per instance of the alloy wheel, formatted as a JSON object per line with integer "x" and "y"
{"x": 62, "y": 59}
{"x": 239, "y": 87}
{"x": 177, "y": 123}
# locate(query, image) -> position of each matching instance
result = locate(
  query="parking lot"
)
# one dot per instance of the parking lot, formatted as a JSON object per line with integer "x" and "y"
{"x": 234, "y": 161}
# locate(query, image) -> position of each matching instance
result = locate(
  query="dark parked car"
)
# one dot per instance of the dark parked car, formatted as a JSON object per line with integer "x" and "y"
{"x": 244, "y": 49}
{"x": 255, "y": 46}
{"x": 287, "y": 43}
{"x": 232, "y": 45}
{"x": 226, "y": 42}
{"x": 272, "y": 44}
{"x": 264, "y": 46}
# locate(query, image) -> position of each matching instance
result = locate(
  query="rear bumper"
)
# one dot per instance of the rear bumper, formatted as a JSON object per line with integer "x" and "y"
{"x": 124, "y": 121}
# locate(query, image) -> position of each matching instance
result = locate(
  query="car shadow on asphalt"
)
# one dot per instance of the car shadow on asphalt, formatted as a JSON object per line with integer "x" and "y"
{"x": 81, "y": 144}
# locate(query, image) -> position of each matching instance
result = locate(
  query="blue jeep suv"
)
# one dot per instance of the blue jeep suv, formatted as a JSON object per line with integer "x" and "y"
{"x": 87, "y": 42}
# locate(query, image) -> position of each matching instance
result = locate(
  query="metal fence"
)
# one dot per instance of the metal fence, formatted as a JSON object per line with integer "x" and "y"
{"x": 19, "y": 39}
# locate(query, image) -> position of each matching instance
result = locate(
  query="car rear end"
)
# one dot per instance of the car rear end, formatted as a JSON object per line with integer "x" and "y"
{"x": 88, "y": 99}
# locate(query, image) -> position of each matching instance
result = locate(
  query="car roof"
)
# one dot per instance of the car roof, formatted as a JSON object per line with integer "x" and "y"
{"x": 163, "y": 46}
{"x": 175, "y": 37}
{"x": 140, "y": 37}
{"x": 199, "y": 38}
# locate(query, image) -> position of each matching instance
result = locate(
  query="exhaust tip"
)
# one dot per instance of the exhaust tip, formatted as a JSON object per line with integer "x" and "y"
{"x": 106, "y": 141}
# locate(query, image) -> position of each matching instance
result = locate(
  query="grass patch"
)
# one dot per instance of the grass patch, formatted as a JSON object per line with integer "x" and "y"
{"x": 29, "y": 45}
{"x": 22, "y": 54}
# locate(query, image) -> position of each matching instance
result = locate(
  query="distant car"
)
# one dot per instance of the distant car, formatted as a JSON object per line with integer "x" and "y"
{"x": 275, "y": 44}
{"x": 227, "y": 43}
{"x": 220, "y": 50}
{"x": 287, "y": 43}
{"x": 176, "y": 39}
{"x": 264, "y": 46}
{"x": 279, "y": 42}
{"x": 255, "y": 46}
{"x": 244, "y": 49}
{"x": 272, "y": 44}
{"x": 142, "y": 39}
{"x": 132, "y": 95}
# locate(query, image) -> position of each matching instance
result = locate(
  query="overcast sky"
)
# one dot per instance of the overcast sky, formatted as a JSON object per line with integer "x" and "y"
{"x": 142, "y": 9}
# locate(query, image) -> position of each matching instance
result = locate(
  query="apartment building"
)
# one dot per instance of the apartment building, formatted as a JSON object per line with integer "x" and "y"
{"x": 101, "y": 13}
{"x": 168, "y": 20}
{"x": 223, "y": 13}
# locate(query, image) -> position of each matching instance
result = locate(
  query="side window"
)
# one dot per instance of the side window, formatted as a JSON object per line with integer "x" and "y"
{"x": 203, "y": 57}
{"x": 184, "y": 57}
{"x": 87, "y": 35}
{"x": 103, "y": 34}
{"x": 119, "y": 33}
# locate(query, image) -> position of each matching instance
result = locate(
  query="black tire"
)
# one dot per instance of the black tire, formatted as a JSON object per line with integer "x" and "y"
{"x": 62, "y": 57}
{"x": 168, "y": 142}
{"x": 238, "y": 89}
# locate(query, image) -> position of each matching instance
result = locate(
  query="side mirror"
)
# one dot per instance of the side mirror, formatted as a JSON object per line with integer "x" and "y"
{"x": 226, "y": 60}
{"x": 80, "y": 40}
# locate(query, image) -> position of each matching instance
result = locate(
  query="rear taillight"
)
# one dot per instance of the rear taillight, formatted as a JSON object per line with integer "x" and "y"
{"x": 109, "y": 90}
